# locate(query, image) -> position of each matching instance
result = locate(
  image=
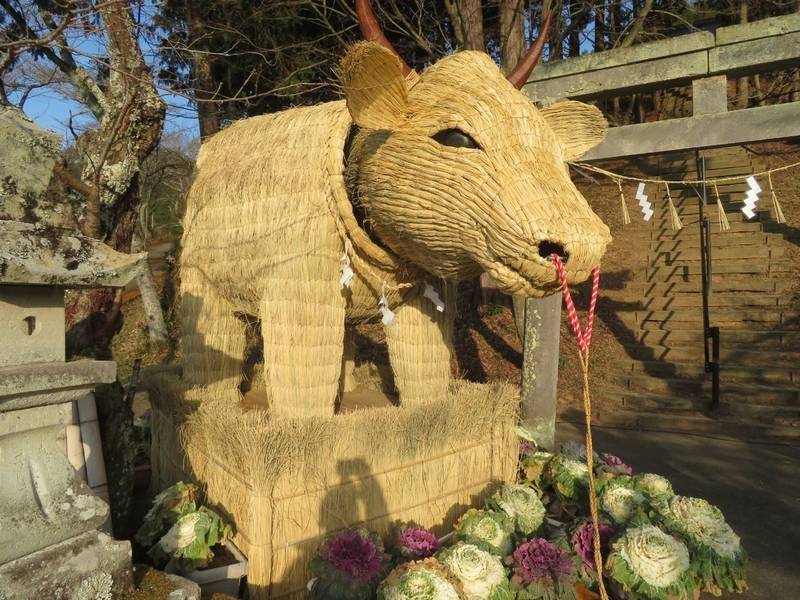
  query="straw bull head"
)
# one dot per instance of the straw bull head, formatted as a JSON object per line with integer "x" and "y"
{"x": 460, "y": 172}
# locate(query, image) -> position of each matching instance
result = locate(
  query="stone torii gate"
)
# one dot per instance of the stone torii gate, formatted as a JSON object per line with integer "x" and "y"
{"x": 705, "y": 60}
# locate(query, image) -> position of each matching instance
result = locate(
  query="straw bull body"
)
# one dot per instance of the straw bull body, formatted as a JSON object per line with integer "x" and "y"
{"x": 459, "y": 174}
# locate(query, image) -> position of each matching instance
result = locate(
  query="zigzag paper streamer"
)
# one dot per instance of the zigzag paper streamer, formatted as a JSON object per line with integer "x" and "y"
{"x": 647, "y": 207}
{"x": 751, "y": 197}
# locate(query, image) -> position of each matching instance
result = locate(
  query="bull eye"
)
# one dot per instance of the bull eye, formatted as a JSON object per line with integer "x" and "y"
{"x": 456, "y": 138}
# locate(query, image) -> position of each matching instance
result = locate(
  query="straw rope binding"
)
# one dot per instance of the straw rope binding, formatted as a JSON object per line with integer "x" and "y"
{"x": 723, "y": 218}
{"x": 626, "y": 218}
{"x": 675, "y": 218}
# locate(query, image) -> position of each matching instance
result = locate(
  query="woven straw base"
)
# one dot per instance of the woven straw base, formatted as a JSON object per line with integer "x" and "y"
{"x": 285, "y": 484}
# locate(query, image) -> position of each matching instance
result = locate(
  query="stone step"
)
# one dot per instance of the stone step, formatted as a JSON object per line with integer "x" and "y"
{"x": 726, "y": 240}
{"x": 698, "y": 407}
{"x": 730, "y": 354}
{"x": 728, "y": 300}
{"x": 648, "y": 232}
{"x": 662, "y": 219}
{"x": 717, "y": 426}
{"x": 719, "y": 285}
{"x": 749, "y": 374}
{"x": 692, "y": 271}
{"x": 732, "y": 317}
{"x": 778, "y": 340}
{"x": 760, "y": 253}
{"x": 784, "y": 396}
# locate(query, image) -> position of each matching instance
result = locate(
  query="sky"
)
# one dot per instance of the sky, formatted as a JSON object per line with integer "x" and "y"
{"x": 50, "y": 109}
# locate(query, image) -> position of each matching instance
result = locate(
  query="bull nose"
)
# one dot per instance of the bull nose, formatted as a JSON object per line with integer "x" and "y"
{"x": 548, "y": 248}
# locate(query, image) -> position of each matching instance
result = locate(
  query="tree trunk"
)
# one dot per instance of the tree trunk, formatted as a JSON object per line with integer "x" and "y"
{"x": 638, "y": 24}
{"x": 156, "y": 328}
{"x": 467, "y": 19}
{"x": 512, "y": 32}
{"x": 742, "y": 84}
{"x": 204, "y": 84}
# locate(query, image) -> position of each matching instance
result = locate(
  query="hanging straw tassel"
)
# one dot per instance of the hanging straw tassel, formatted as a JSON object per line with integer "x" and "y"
{"x": 723, "y": 218}
{"x": 775, "y": 204}
{"x": 673, "y": 212}
{"x": 626, "y": 218}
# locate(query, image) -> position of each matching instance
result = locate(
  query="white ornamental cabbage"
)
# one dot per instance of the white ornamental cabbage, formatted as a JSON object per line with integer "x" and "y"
{"x": 570, "y": 477}
{"x": 181, "y": 534}
{"x": 422, "y": 580}
{"x": 620, "y": 500}
{"x": 522, "y": 504}
{"x": 651, "y": 563}
{"x": 704, "y": 524}
{"x": 654, "y": 485}
{"x": 481, "y": 574}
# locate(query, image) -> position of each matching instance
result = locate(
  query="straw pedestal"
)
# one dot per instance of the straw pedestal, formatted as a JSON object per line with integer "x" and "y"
{"x": 286, "y": 483}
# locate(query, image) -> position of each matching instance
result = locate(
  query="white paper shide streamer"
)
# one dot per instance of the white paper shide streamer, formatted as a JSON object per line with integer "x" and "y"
{"x": 387, "y": 316}
{"x": 431, "y": 294}
{"x": 751, "y": 197}
{"x": 347, "y": 272}
{"x": 647, "y": 207}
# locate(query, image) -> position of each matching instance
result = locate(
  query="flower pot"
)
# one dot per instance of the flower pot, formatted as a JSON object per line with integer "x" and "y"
{"x": 224, "y": 574}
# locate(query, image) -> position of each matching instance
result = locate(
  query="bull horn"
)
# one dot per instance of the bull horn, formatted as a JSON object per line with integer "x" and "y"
{"x": 519, "y": 76}
{"x": 372, "y": 31}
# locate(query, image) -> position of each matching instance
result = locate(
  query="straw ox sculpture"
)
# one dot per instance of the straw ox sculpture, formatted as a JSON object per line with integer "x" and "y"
{"x": 411, "y": 180}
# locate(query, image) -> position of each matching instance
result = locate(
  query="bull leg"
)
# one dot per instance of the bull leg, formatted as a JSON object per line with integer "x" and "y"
{"x": 213, "y": 342}
{"x": 419, "y": 344}
{"x": 302, "y": 324}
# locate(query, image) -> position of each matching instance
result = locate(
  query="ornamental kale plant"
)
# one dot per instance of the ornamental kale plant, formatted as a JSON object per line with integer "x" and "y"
{"x": 414, "y": 543}
{"x": 422, "y": 580}
{"x": 522, "y": 504}
{"x": 481, "y": 574}
{"x": 168, "y": 506}
{"x": 583, "y": 544}
{"x": 715, "y": 548}
{"x": 187, "y": 546}
{"x": 621, "y": 501}
{"x": 487, "y": 529}
{"x": 649, "y": 564}
{"x": 542, "y": 570}
{"x": 348, "y": 566}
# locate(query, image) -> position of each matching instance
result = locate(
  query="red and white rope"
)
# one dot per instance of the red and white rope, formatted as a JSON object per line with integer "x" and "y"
{"x": 584, "y": 338}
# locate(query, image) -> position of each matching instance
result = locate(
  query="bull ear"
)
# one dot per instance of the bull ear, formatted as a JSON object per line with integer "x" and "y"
{"x": 578, "y": 126}
{"x": 376, "y": 92}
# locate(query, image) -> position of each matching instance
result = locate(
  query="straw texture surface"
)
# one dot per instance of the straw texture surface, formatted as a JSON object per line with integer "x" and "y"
{"x": 286, "y": 483}
{"x": 270, "y": 223}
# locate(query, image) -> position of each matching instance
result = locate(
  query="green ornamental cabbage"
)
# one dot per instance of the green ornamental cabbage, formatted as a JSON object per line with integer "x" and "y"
{"x": 651, "y": 565}
{"x": 522, "y": 504}
{"x": 187, "y": 545}
{"x": 481, "y": 573}
{"x": 534, "y": 465}
{"x": 570, "y": 477}
{"x": 715, "y": 547}
{"x": 621, "y": 501}
{"x": 168, "y": 506}
{"x": 489, "y": 530}
{"x": 654, "y": 486}
{"x": 421, "y": 580}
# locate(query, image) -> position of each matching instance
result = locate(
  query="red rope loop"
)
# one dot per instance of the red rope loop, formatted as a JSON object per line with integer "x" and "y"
{"x": 584, "y": 338}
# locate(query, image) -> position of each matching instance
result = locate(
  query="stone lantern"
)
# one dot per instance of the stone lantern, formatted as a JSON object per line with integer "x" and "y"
{"x": 53, "y": 516}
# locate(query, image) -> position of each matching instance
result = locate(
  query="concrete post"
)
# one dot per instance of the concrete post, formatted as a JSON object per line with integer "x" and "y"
{"x": 542, "y": 332}
{"x": 710, "y": 95}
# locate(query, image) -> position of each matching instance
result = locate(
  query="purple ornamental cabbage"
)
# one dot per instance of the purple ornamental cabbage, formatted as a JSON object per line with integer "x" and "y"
{"x": 542, "y": 570}
{"x": 416, "y": 543}
{"x": 583, "y": 543}
{"x": 614, "y": 464}
{"x": 354, "y": 555}
{"x": 348, "y": 565}
{"x": 526, "y": 448}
